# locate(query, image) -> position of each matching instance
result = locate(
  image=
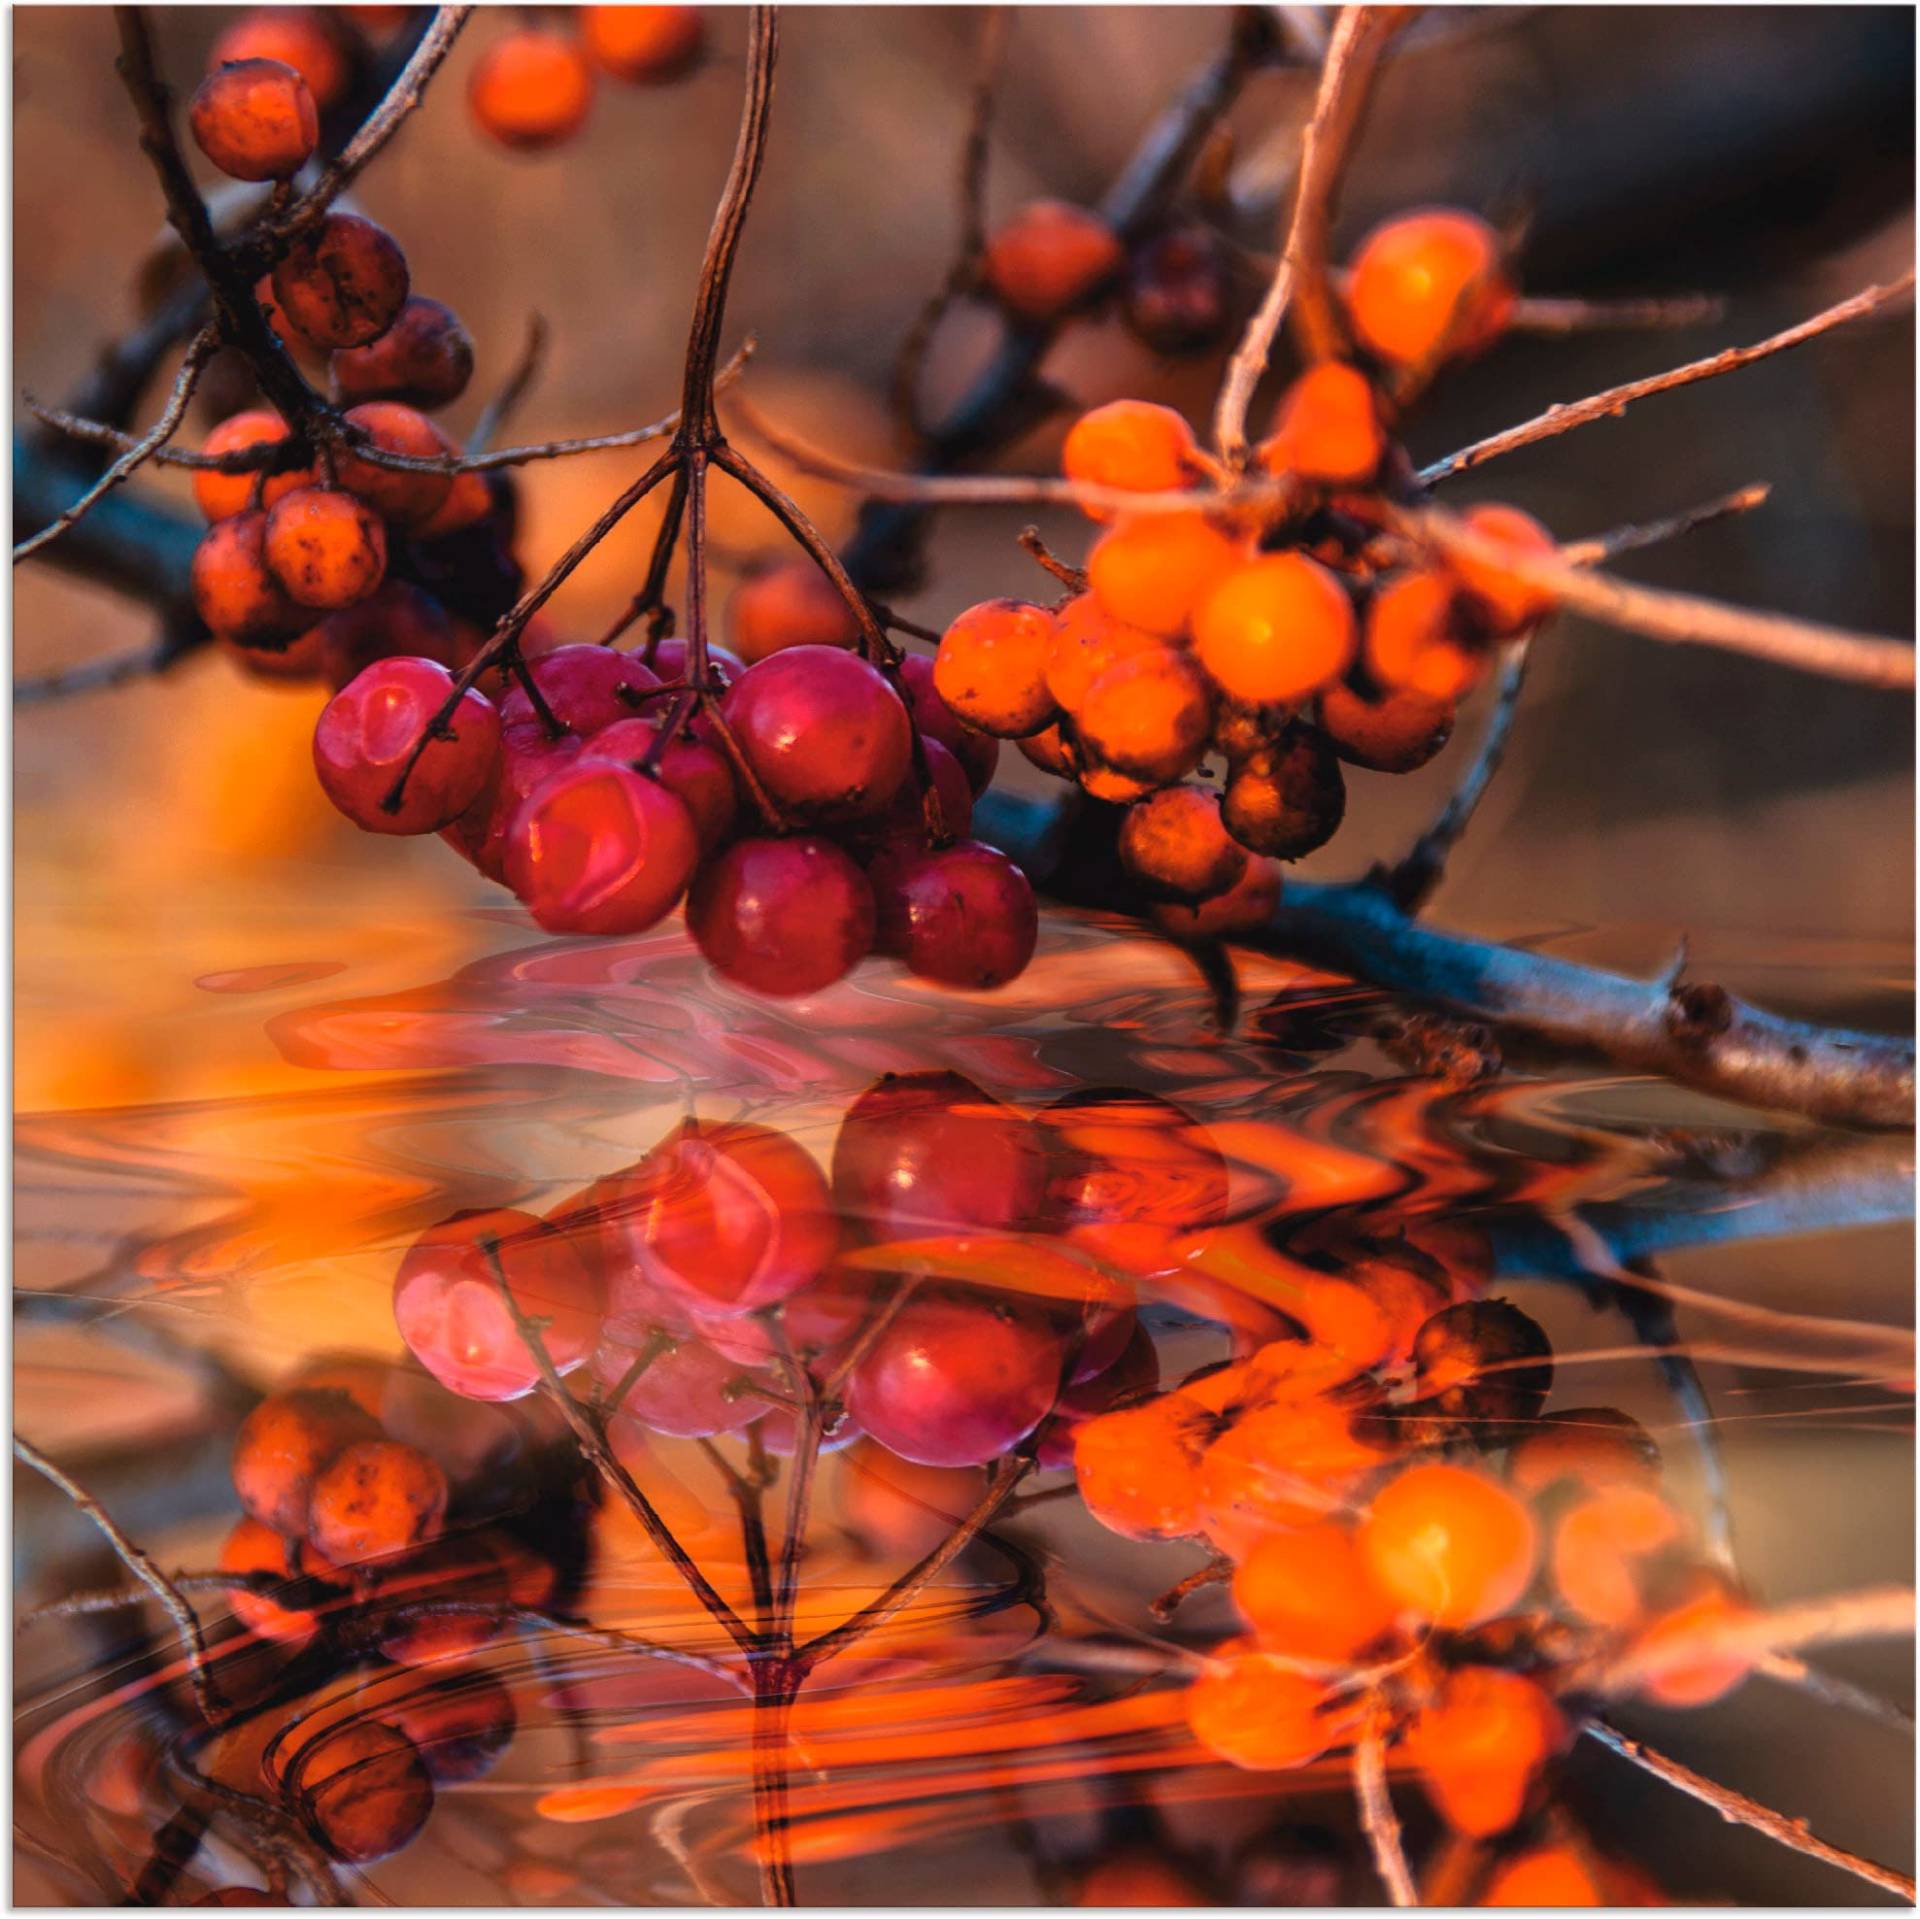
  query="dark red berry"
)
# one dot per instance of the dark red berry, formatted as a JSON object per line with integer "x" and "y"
{"x": 963, "y": 915}
{"x": 782, "y": 916}
{"x": 586, "y": 688}
{"x": 372, "y": 724}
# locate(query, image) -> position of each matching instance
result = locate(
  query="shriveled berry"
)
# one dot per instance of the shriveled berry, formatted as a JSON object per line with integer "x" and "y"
{"x": 992, "y": 665}
{"x": 1173, "y": 842}
{"x": 1483, "y": 1360}
{"x": 531, "y": 89}
{"x": 1397, "y": 733}
{"x": 424, "y": 359}
{"x": 642, "y": 45}
{"x": 790, "y": 603}
{"x": 326, "y": 549}
{"x": 234, "y": 590}
{"x": 1276, "y": 630}
{"x": 963, "y": 915}
{"x": 255, "y": 120}
{"x": 825, "y": 733}
{"x": 1287, "y": 799}
{"x": 783, "y": 916}
{"x": 1049, "y": 258}
{"x": 254, "y": 1548}
{"x": 284, "y": 1445}
{"x": 376, "y": 1498}
{"x": 342, "y": 284}
{"x": 1429, "y": 285}
{"x": 368, "y": 729}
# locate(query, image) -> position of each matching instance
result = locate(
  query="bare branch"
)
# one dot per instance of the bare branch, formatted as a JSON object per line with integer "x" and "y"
{"x": 1352, "y": 59}
{"x": 1551, "y": 316}
{"x": 1738, "y": 1810}
{"x": 1564, "y": 417}
{"x": 94, "y": 676}
{"x": 494, "y": 415}
{"x": 1631, "y": 539}
{"x": 1377, "y": 1818}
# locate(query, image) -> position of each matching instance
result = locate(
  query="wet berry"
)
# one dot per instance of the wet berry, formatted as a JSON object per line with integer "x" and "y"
{"x": 363, "y": 1790}
{"x": 784, "y": 916}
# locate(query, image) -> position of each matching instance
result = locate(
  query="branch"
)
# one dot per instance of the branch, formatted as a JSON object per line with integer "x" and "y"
{"x": 1359, "y": 40}
{"x": 1684, "y": 619}
{"x": 1738, "y": 1810}
{"x": 186, "y": 1621}
{"x": 1631, "y": 539}
{"x": 1564, "y": 417}
{"x": 198, "y": 354}
{"x": 1551, "y": 316}
{"x": 493, "y": 416}
{"x": 1377, "y": 1819}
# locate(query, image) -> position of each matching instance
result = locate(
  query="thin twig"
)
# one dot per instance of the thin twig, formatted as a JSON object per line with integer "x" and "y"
{"x": 1569, "y": 414}
{"x": 1534, "y": 314}
{"x": 1831, "y": 1690}
{"x": 1738, "y": 1810}
{"x": 186, "y": 1621}
{"x": 1377, "y": 1818}
{"x": 1631, "y": 539}
{"x": 525, "y": 370}
{"x": 1359, "y": 39}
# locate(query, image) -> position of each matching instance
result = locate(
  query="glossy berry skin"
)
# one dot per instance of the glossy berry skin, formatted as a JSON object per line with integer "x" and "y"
{"x": 790, "y": 603}
{"x": 235, "y": 591}
{"x": 723, "y": 1219}
{"x": 1132, "y": 445}
{"x": 531, "y": 90}
{"x": 687, "y": 1391}
{"x": 284, "y": 1445}
{"x": 672, "y": 659}
{"x": 528, "y": 759}
{"x": 297, "y": 37}
{"x": 1397, "y": 733}
{"x": 1275, "y": 631}
{"x": 1254, "y": 1712}
{"x": 1327, "y": 428}
{"x": 1174, "y": 844}
{"x": 424, "y": 359}
{"x": 1087, "y": 642}
{"x": 992, "y": 665}
{"x": 1429, "y": 285}
{"x": 825, "y": 733}
{"x": 1156, "y": 570}
{"x": 448, "y": 1305}
{"x": 326, "y": 549}
{"x": 1449, "y": 1544}
{"x": 644, "y": 46}
{"x": 963, "y": 915}
{"x": 700, "y": 776}
{"x": 1308, "y": 1594}
{"x": 371, "y": 725}
{"x": 1247, "y": 904}
{"x": 977, "y": 752}
{"x": 409, "y": 500}
{"x": 219, "y": 496}
{"x": 1051, "y": 752}
{"x": 908, "y": 828}
{"x": 923, "y": 1154}
{"x": 1503, "y": 605}
{"x": 586, "y": 688}
{"x": 375, "y": 1499}
{"x": 599, "y": 848}
{"x": 461, "y": 1725}
{"x": 1287, "y": 799}
{"x": 255, "y": 120}
{"x": 783, "y": 917}
{"x": 1150, "y": 716}
{"x": 956, "y": 1381}
{"x": 1417, "y": 642}
{"x": 1178, "y": 292}
{"x": 1049, "y": 258}
{"x": 399, "y": 620}
{"x": 344, "y": 283}
{"x": 363, "y": 1791}
{"x": 254, "y": 1548}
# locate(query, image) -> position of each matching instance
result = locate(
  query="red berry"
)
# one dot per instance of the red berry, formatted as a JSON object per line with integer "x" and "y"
{"x": 956, "y": 1381}
{"x": 424, "y": 359}
{"x": 344, "y": 283}
{"x": 1179, "y": 290}
{"x": 448, "y": 1304}
{"x": 1048, "y": 258}
{"x": 298, "y": 37}
{"x": 370, "y": 726}
{"x": 642, "y": 45}
{"x": 687, "y": 1391}
{"x": 963, "y": 915}
{"x": 699, "y": 774}
{"x": 461, "y": 1724}
{"x": 825, "y": 733}
{"x": 586, "y": 688}
{"x": 905, "y": 832}
{"x": 1132, "y": 1376}
{"x": 922, "y": 1153}
{"x": 255, "y": 120}
{"x": 599, "y": 848}
{"x": 977, "y": 752}
{"x": 528, "y": 759}
{"x": 782, "y": 916}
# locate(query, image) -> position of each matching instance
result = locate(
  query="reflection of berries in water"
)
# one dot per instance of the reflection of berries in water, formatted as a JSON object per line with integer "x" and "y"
{"x": 377, "y": 1498}
{"x": 1138, "y": 1469}
{"x": 363, "y": 1790}
{"x": 254, "y": 1548}
{"x": 1592, "y": 1445}
{"x": 284, "y": 1445}
{"x": 461, "y": 1724}
{"x": 1128, "y": 1376}
{"x": 1482, "y": 1360}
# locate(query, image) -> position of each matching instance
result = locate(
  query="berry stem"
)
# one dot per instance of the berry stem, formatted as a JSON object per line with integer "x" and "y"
{"x": 1377, "y": 1817}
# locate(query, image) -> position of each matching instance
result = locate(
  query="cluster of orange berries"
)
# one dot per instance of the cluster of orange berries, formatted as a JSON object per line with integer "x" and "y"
{"x": 1421, "y": 1533}
{"x": 353, "y": 1521}
{"x": 533, "y": 87}
{"x": 1269, "y": 636}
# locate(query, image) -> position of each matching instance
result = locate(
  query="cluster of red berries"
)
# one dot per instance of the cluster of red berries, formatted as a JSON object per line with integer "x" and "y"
{"x": 352, "y": 1521}
{"x": 1415, "y": 1529}
{"x": 533, "y": 87}
{"x": 1266, "y": 635}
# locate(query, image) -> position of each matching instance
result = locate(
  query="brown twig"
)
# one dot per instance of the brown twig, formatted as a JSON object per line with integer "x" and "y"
{"x": 1353, "y": 56}
{"x": 1631, "y": 539}
{"x": 1375, "y": 1802}
{"x": 1535, "y": 314}
{"x": 513, "y": 389}
{"x": 1738, "y": 1810}
{"x": 1564, "y": 417}
{"x": 1216, "y": 1572}
{"x": 1073, "y": 578}
{"x": 186, "y": 1621}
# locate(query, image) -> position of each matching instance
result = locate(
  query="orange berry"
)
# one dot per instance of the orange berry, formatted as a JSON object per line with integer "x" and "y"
{"x": 1594, "y": 1445}
{"x": 1598, "y": 1550}
{"x": 221, "y": 495}
{"x": 285, "y": 1443}
{"x": 1546, "y": 1876}
{"x": 1480, "y": 1746}
{"x": 1396, "y": 733}
{"x": 255, "y": 120}
{"x": 1154, "y": 571}
{"x": 1283, "y": 1465}
{"x": 1049, "y": 751}
{"x": 1247, "y": 904}
{"x": 254, "y": 1548}
{"x": 1252, "y": 1711}
{"x": 1429, "y": 285}
{"x": 424, "y": 359}
{"x": 375, "y": 1499}
{"x": 409, "y": 500}
{"x": 1287, "y": 799}
{"x": 297, "y": 37}
{"x": 790, "y": 603}
{"x": 1048, "y": 258}
{"x": 1139, "y": 1879}
{"x": 1686, "y": 1676}
{"x": 469, "y": 500}
{"x": 1308, "y": 1594}
{"x": 643, "y": 45}
{"x": 1275, "y": 630}
{"x": 1327, "y": 428}
{"x": 1502, "y": 605}
{"x": 1149, "y": 716}
{"x": 1132, "y": 445}
{"x": 1117, "y": 789}
{"x": 531, "y": 89}
{"x": 1087, "y": 640}
{"x": 1415, "y": 642}
{"x": 1449, "y": 1544}
{"x": 344, "y": 283}
{"x": 326, "y": 548}
{"x": 362, "y": 1788}
{"x": 991, "y": 668}
{"x": 236, "y": 593}
{"x": 1173, "y": 842}
{"x": 1138, "y": 1468}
